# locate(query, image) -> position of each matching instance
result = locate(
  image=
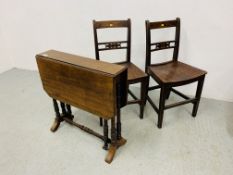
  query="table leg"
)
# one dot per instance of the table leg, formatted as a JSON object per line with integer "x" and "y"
{"x": 69, "y": 111}
{"x": 118, "y": 124}
{"x": 105, "y": 128}
{"x": 116, "y": 140}
{"x": 113, "y": 145}
{"x": 58, "y": 118}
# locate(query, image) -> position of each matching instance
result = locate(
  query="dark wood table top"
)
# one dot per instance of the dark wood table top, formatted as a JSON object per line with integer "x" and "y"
{"x": 105, "y": 67}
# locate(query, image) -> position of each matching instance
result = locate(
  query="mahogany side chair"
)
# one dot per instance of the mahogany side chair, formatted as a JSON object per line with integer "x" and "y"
{"x": 172, "y": 73}
{"x": 135, "y": 75}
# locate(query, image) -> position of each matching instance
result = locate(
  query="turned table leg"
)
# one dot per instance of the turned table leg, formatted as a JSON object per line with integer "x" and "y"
{"x": 113, "y": 146}
{"x": 118, "y": 124}
{"x": 63, "y": 109}
{"x": 105, "y": 128}
{"x": 120, "y": 140}
{"x": 58, "y": 118}
{"x": 69, "y": 112}
{"x": 116, "y": 139}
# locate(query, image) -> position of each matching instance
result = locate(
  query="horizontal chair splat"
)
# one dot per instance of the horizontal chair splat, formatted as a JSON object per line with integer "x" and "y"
{"x": 112, "y": 45}
{"x": 170, "y": 41}
{"x": 162, "y": 45}
{"x": 102, "y": 49}
{"x": 163, "y": 24}
{"x": 103, "y": 43}
{"x": 110, "y": 24}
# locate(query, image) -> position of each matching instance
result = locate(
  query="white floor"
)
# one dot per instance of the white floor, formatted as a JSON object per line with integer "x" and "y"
{"x": 184, "y": 146}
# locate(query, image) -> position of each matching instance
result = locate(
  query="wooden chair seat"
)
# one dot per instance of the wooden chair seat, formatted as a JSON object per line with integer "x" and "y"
{"x": 175, "y": 72}
{"x": 134, "y": 73}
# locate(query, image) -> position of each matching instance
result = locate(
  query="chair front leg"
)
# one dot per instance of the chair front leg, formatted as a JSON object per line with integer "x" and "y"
{"x": 144, "y": 92}
{"x": 198, "y": 95}
{"x": 161, "y": 105}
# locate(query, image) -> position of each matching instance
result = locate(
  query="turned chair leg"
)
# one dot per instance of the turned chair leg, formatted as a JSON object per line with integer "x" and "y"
{"x": 144, "y": 91}
{"x": 198, "y": 96}
{"x": 161, "y": 106}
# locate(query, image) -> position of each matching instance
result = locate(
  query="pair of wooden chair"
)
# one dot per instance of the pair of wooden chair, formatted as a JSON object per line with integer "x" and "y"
{"x": 168, "y": 74}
